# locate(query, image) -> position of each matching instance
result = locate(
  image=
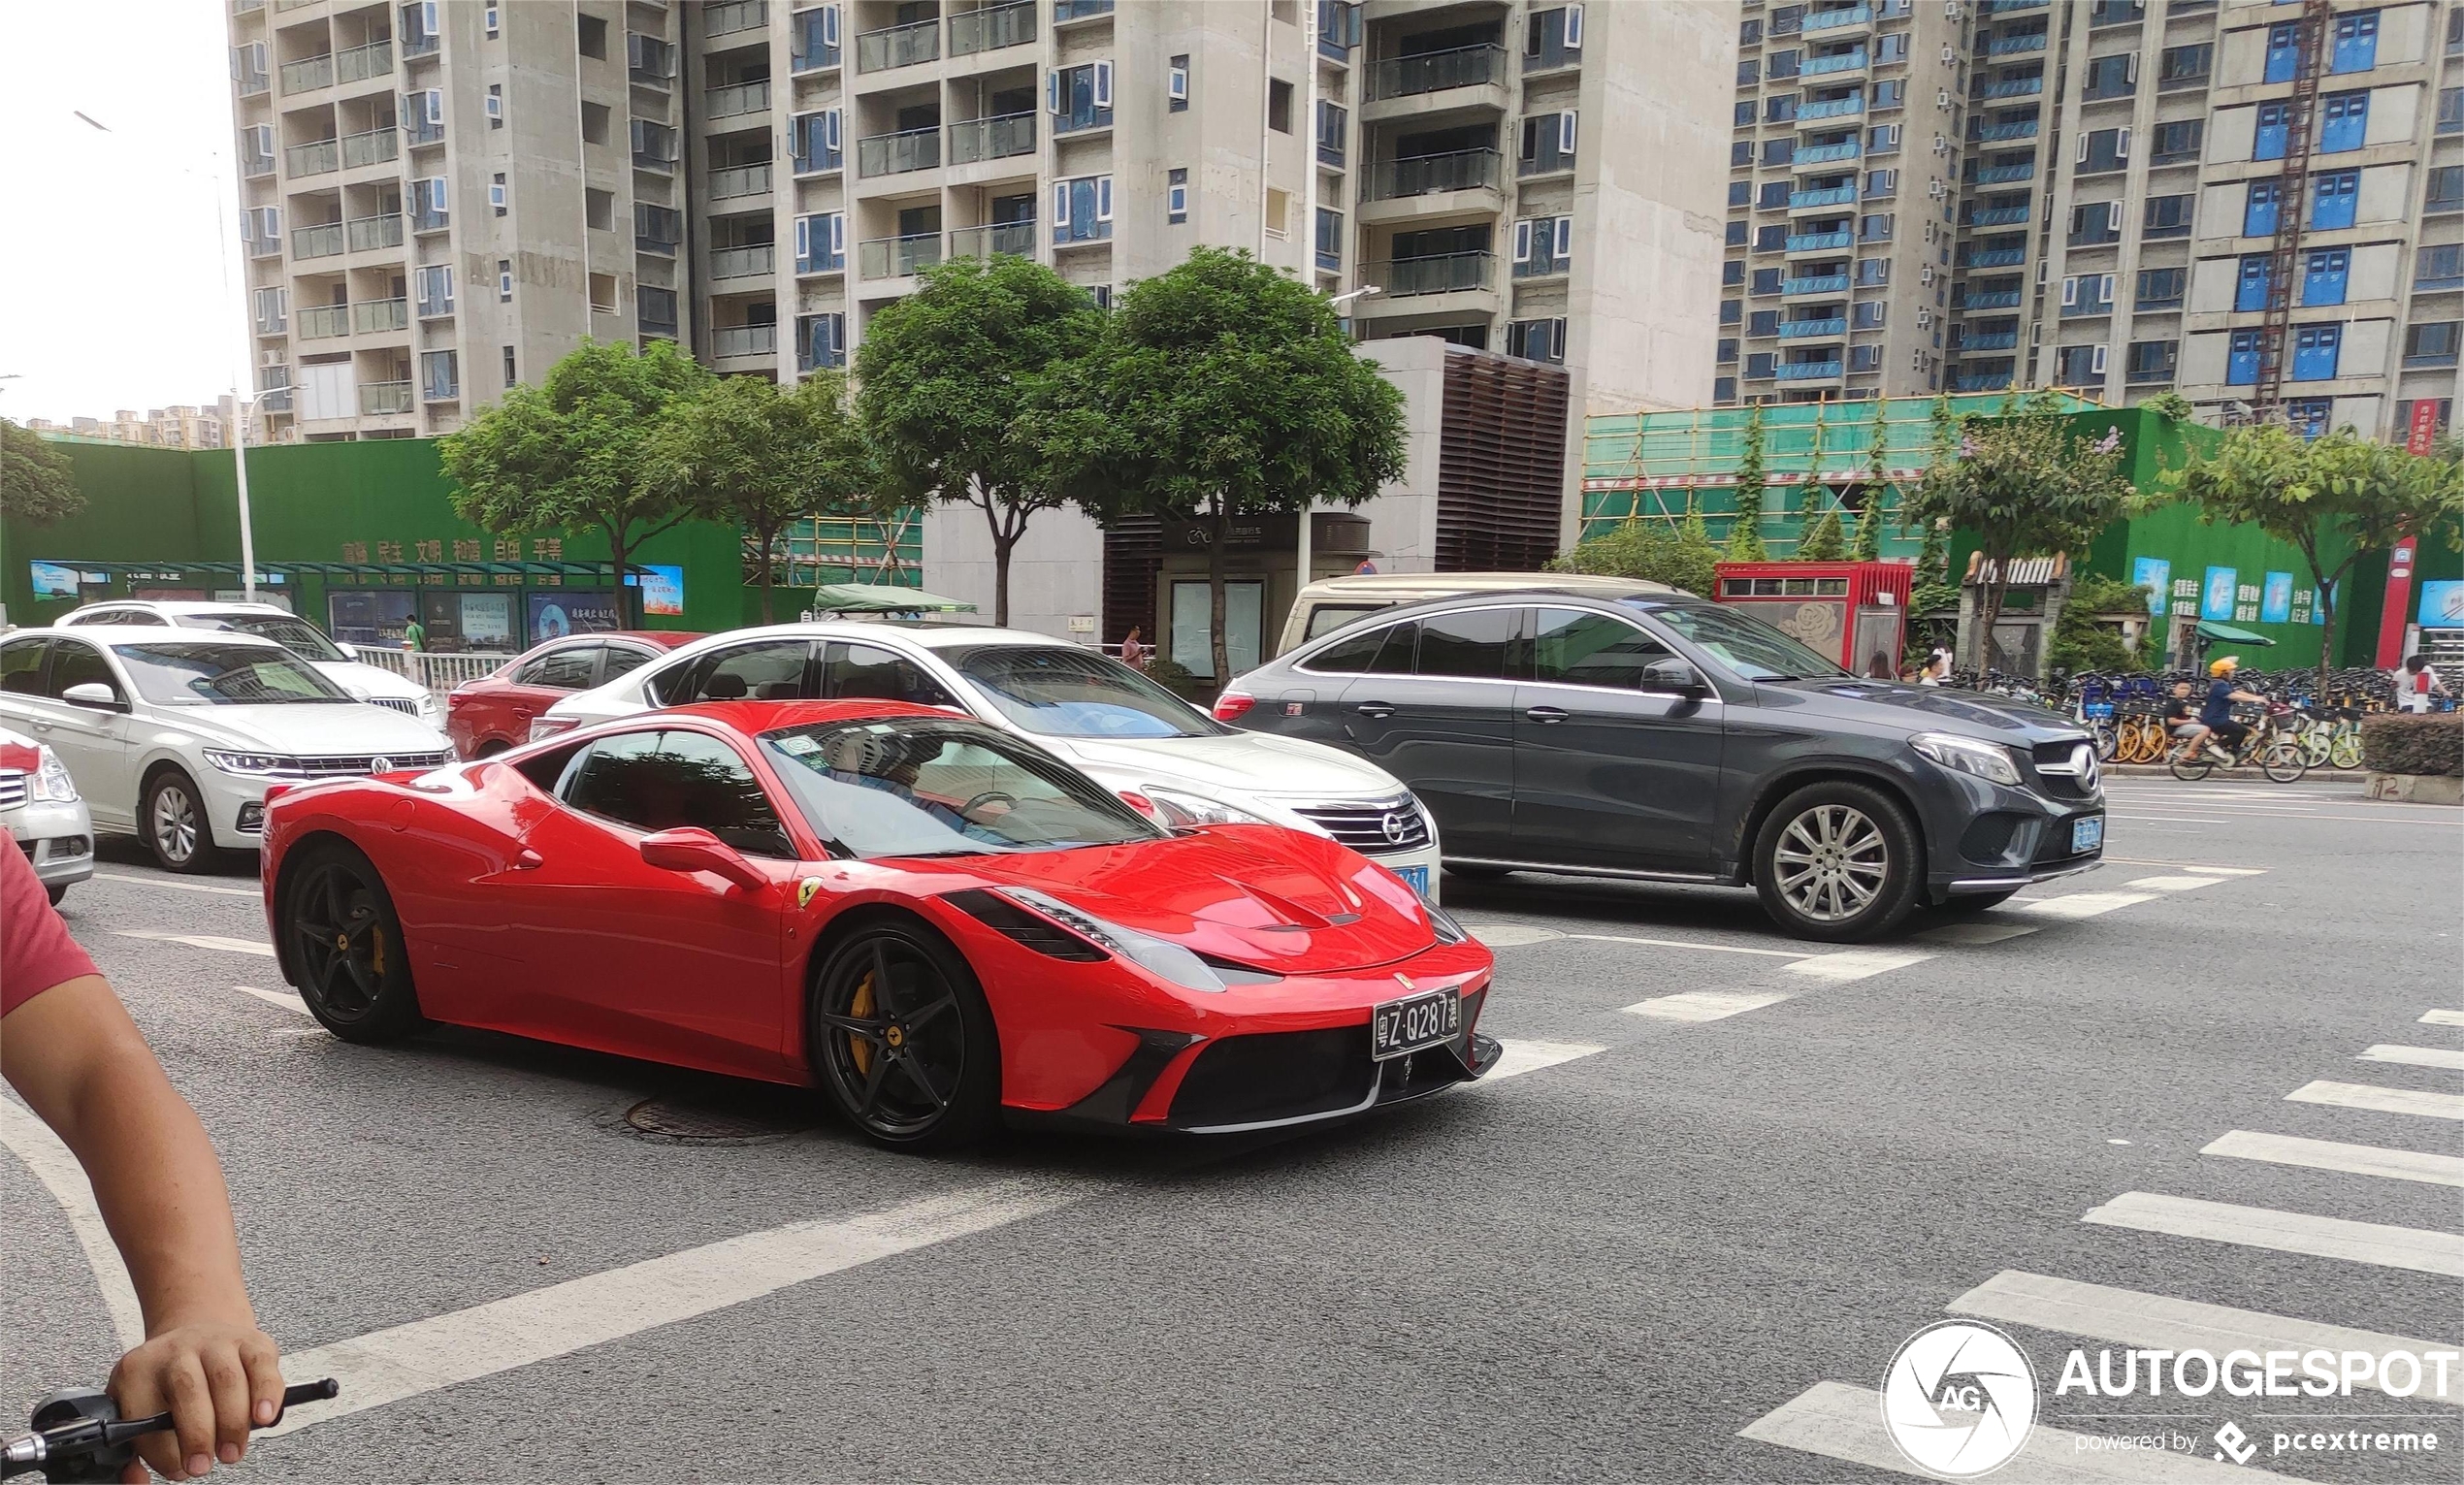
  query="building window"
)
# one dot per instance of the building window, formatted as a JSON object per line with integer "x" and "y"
{"x": 1774, "y": 193}
{"x": 1741, "y": 151}
{"x": 812, "y": 39}
{"x": 1750, "y": 33}
{"x": 2113, "y": 76}
{"x": 821, "y": 340}
{"x": 2101, "y": 150}
{"x": 2440, "y": 268}
{"x": 2344, "y": 121}
{"x": 496, "y": 105}
{"x": 2249, "y": 285}
{"x": 496, "y": 193}
{"x": 2332, "y": 201}
{"x": 1890, "y": 47}
{"x": 2185, "y": 66}
{"x": 1770, "y": 239}
{"x": 821, "y": 243}
{"x": 595, "y": 118}
{"x": 592, "y": 36}
{"x": 1176, "y": 196}
{"x": 2323, "y": 273}
{"x": 598, "y": 208}
{"x": 1278, "y": 210}
{"x": 1330, "y": 239}
{"x": 1763, "y": 323}
{"x": 488, "y": 20}
{"x": 1881, "y": 182}
{"x": 1759, "y": 364}
{"x": 2451, "y": 111}
{"x": 815, "y": 142}
{"x": 1779, "y": 151}
{"x": 2258, "y": 214}
{"x": 1544, "y": 340}
{"x": 2087, "y": 294}
{"x": 2079, "y": 366}
{"x": 1869, "y": 314}
{"x": 1732, "y": 275}
{"x": 1735, "y": 234}
{"x": 1873, "y": 272}
{"x": 1726, "y": 354}
{"x": 1877, "y": 228}
{"x": 655, "y": 311}
{"x": 2166, "y": 217}
{"x": 1081, "y": 97}
{"x": 505, "y": 282}
{"x": 2097, "y": 221}
{"x": 1749, "y": 71}
{"x": 1739, "y": 118}
{"x": 2447, "y": 186}
{"x": 2356, "y": 42}
{"x": 1083, "y": 210}
{"x": 2151, "y": 360}
{"x": 1882, "y": 138}
{"x": 2178, "y": 141}
{"x": 1784, "y": 65}
{"x": 2314, "y": 348}
{"x": 509, "y": 378}
{"x": 1724, "y": 389}
{"x": 1279, "y": 106}
{"x": 2267, "y": 142}
{"x": 2241, "y": 362}
{"x": 2431, "y": 345}
{"x": 1864, "y": 358}
{"x": 1890, "y": 94}
{"x": 1732, "y": 311}
{"x": 1175, "y": 85}
{"x": 2283, "y": 51}
{"x": 1779, "y": 109}
{"x": 2308, "y": 415}
{"x": 1769, "y": 280}
{"x": 440, "y": 378}
{"x": 1740, "y": 193}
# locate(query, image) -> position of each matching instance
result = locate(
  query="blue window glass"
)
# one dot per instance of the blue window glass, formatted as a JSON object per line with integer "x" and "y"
{"x": 2356, "y": 43}
{"x": 2250, "y": 293}
{"x": 2308, "y": 415}
{"x": 2284, "y": 50}
{"x": 2322, "y": 277}
{"x": 2269, "y": 141}
{"x": 2331, "y": 203}
{"x": 2258, "y": 216}
{"x": 2344, "y": 120}
{"x": 2314, "y": 348}
{"x": 2241, "y": 367}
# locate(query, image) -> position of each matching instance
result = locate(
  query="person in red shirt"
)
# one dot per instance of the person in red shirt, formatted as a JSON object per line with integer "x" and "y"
{"x": 69, "y": 1049}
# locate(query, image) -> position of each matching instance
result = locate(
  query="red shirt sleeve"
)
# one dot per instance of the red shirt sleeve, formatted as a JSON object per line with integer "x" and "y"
{"x": 36, "y": 952}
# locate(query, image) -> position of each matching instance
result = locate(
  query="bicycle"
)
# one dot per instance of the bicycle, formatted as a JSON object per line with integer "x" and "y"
{"x": 2270, "y": 747}
{"x": 78, "y": 1434}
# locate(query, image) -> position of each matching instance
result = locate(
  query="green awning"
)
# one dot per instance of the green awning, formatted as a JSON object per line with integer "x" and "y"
{"x": 883, "y": 598}
{"x": 2209, "y": 628}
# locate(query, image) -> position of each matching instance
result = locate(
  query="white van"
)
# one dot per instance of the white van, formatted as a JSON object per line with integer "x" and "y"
{"x": 1329, "y": 603}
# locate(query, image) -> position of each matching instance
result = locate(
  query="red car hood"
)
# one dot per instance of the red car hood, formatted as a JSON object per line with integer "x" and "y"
{"x": 1278, "y": 899}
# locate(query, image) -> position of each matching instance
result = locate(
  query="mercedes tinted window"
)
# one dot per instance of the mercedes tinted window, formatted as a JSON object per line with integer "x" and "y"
{"x": 1358, "y": 652}
{"x": 1471, "y": 645}
{"x": 1575, "y": 647}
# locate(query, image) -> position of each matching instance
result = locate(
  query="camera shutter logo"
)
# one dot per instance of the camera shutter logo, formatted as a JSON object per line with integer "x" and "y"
{"x": 1958, "y": 1400}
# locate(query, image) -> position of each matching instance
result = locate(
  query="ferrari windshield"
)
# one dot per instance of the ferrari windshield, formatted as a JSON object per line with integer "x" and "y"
{"x": 1065, "y": 691}
{"x": 297, "y": 635}
{"x": 906, "y": 787}
{"x": 1746, "y": 644}
{"x": 171, "y": 672}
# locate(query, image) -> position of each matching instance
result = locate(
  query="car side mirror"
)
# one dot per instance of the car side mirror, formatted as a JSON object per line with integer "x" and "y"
{"x": 694, "y": 849}
{"x": 94, "y": 695}
{"x": 1674, "y": 675}
{"x": 349, "y": 651}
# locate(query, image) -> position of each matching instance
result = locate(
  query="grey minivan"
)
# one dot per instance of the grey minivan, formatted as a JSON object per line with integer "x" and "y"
{"x": 1661, "y": 737}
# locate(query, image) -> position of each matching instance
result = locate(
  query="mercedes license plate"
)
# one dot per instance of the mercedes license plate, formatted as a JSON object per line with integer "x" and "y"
{"x": 2087, "y": 835}
{"x": 1415, "y": 878}
{"x": 1401, "y": 1026}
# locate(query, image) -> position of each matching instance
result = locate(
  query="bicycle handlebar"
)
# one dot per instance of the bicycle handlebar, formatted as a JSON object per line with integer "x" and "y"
{"x": 79, "y": 1433}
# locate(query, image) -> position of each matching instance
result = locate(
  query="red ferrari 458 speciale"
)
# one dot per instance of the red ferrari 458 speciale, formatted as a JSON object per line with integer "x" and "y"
{"x": 937, "y": 923}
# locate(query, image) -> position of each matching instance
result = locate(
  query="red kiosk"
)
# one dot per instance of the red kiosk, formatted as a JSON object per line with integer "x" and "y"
{"x": 1855, "y": 612}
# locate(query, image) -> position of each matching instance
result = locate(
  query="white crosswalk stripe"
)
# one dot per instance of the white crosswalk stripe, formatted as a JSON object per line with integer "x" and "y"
{"x": 2415, "y": 1056}
{"x": 2075, "y": 905}
{"x": 1525, "y": 1056}
{"x": 2174, "y": 883}
{"x": 2443, "y": 1018}
{"x": 201, "y": 940}
{"x": 2286, "y": 1232}
{"x": 2379, "y": 1099}
{"x": 1838, "y": 1421}
{"x": 2330, "y": 1155}
{"x": 1705, "y": 1005}
{"x": 1848, "y": 964}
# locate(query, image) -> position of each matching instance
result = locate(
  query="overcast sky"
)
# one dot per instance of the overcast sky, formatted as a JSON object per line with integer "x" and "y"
{"x": 114, "y": 291}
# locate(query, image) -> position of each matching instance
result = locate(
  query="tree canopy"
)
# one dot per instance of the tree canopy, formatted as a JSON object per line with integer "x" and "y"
{"x": 1682, "y": 556}
{"x": 36, "y": 485}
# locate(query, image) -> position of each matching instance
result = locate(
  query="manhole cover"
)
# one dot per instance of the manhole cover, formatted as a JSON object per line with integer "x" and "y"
{"x": 700, "y": 1119}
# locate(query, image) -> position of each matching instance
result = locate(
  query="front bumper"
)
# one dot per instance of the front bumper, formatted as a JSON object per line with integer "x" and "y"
{"x": 235, "y": 806}
{"x": 1987, "y": 837}
{"x": 57, "y": 838}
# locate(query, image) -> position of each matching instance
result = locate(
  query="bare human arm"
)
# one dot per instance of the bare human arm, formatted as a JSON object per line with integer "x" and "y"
{"x": 85, "y": 1069}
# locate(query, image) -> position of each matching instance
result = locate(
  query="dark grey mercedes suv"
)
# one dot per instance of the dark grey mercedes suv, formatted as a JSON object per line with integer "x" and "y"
{"x": 1663, "y": 737}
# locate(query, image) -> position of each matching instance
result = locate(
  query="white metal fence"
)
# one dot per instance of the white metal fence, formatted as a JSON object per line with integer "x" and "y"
{"x": 439, "y": 673}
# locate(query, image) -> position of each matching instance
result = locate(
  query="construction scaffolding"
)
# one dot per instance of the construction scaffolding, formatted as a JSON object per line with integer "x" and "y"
{"x": 847, "y": 549}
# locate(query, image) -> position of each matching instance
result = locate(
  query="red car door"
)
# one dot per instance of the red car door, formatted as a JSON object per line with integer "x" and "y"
{"x": 633, "y": 958}
{"x": 496, "y": 712}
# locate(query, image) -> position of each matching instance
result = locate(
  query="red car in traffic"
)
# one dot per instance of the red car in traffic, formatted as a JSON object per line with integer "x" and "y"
{"x": 493, "y": 713}
{"x": 938, "y": 923}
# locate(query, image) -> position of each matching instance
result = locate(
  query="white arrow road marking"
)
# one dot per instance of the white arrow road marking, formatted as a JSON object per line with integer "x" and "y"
{"x": 2353, "y": 1159}
{"x": 51, "y": 1162}
{"x": 201, "y": 940}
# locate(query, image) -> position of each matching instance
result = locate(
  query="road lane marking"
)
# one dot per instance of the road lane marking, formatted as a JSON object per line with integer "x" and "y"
{"x": 52, "y": 1164}
{"x": 2330, "y": 1155}
{"x": 257, "y": 892}
{"x": 1846, "y": 964}
{"x": 2415, "y": 1056}
{"x": 1506, "y": 935}
{"x": 288, "y": 1002}
{"x": 2171, "y": 820}
{"x": 2379, "y": 1099}
{"x": 2173, "y": 883}
{"x": 2443, "y": 1018}
{"x": 2080, "y": 904}
{"x": 1975, "y": 933}
{"x": 2212, "y": 871}
{"x": 199, "y": 940}
{"x": 407, "y": 1360}
{"x": 1511, "y": 935}
{"x": 1704, "y": 1005}
{"x": 1524, "y": 1055}
{"x": 1839, "y": 1421}
{"x": 2158, "y": 1321}
{"x": 2286, "y": 1232}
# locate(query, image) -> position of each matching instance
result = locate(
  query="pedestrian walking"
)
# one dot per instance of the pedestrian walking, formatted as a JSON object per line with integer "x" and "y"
{"x": 1132, "y": 653}
{"x": 2415, "y": 683}
{"x": 414, "y": 635}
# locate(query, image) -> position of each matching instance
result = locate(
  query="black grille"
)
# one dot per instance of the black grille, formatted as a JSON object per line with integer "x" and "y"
{"x": 346, "y": 766}
{"x": 2053, "y": 762}
{"x": 403, "y": 704}
{"x": 1363, "y": 826}
{"x": 12, "y": 787}
{"x": 1284, "y": 1074}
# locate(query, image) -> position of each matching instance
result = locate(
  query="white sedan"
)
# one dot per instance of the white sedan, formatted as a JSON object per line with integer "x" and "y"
{"x": 340, "y": 664}
{"x": 1159, "y": 753}
{"x": 40, "y": 810}
{"x": 174, "y": 736}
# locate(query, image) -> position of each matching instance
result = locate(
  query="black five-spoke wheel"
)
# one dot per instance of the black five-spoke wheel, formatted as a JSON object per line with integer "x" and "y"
{"x": 902, "y": 1041}
{"x": 347, "y": 949}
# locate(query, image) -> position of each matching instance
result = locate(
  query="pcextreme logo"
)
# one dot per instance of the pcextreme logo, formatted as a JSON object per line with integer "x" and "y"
{"x": 1958, "y": 1400}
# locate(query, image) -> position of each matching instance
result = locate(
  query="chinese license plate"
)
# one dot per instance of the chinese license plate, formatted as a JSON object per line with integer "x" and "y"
{"x": 1415, "y": 878}
{"x": 2087, "y": 835}
{"x": 1401, "y": 1026}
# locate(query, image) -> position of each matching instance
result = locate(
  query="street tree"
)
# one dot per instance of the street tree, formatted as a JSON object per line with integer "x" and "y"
{"x": 568, "y": 454}
{"x": 755, "y": 456}
{"x": 1682, "y": 556}
{"x": 1220, "y": 390}
{"x": 944, "y": 376}
{"x": 2340, "y": 493}
{"x": 36, "y": 483}
{"x": 2026, "y": 486}
{"x": 1745, "y": 533}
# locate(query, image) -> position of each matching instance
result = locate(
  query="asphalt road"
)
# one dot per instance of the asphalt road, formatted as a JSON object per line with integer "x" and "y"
{"x": 1726, "y": 1168}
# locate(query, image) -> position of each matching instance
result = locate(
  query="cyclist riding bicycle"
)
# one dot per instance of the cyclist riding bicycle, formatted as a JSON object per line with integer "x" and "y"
{"x": 2182, "y": 722}
{"x": 71, "y": 1052}
{"x": 2216, "y": 714}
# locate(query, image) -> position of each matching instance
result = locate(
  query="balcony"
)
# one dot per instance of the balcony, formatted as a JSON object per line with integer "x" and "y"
{"x": 421, "y": 43}
{"x": 1981, "y": 381}
{"x": 1999, "y": 216}
{"x": 1015, "y": 237}
{"x": 1825, "y": 283}
{"x": 2008, "y": 7}
{"x": 253, "y": 81}
{"x": 1845, "y": 61}
{"x": 1829, "y": 196}
{"x": 255, "y": 167}
{"x": 1814, "y": 329}
{"x": 2015, "y": 88}
{"x": 324, "y": 322}
{"x": 383, "y": 399}
{"x": 758, "y": 260}
{"x": 897, "y": 257}
{"x": 739, "y": 99}
{"x": 1434, "y": 72}
{"x": 370, "y": 233}
{"x": 1820, "y": 242}
{"x": 1441, "y": 273}
{"x": 1996, "y": 298}
{"x": 272, "y": 324}
{"x": 1462, "y": 169}
{"x": 998, "y": 138}
{"x": 649, "y": 60}
{"x": 744, "y": 341}
{"x": 731, "y": 16}
{"x": 738, "y": 181}
{"x": 895, "y": 154}
{"x": 308, "y": 74}
{"x": 358, "y": 64}
{"x": 1835, "y": 107}
{"x": 274, "y": 400}
{"x": 1817, "y": 22}
{"x": 315, "y": 159}
{"x": 323, "y": 241}
{"x": 371, "y": 147}
{"x": 898, "y": 46}
{"x": 2006, "y": 175}
{"x": 263, "y": 248}
{"x": 2016, "y": 45}
{"x": 1813, "y": 155}
{"x": 1995, "y": 257}
{"x": 375, "y": 317}
{"x": 2017, "y": 129}
{"x": 1806, "y": 371}
{"x": 1079, "y": 10}
{"x": 445, "y": 389}
{"x": 425, "y": 219}
{"x": 992, "y": 28}
{"x": 1990, "y": 339}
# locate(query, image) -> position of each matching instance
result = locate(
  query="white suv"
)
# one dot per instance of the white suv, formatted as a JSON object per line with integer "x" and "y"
{"x": 1156, "y": 751}
{"x": 337, "y": 663}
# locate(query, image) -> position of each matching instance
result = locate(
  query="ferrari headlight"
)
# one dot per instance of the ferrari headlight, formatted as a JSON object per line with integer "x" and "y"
{"x": 51, "y": 779}
{"x": 257, "y": 763}
{"x": 1967, "y": 754}
{"x": 1157, "y": 956}
{"x": 1179, "y": 809}
{"x": 1447, "y": 929}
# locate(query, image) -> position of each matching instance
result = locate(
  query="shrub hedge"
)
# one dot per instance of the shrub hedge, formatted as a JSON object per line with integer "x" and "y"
{"x": 2394, "y": 742}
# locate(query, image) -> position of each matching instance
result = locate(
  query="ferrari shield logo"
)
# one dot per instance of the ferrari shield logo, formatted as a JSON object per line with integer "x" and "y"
{"x": 807, "y": 889}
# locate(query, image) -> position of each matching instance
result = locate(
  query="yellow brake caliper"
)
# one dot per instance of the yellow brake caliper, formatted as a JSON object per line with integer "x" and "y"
{"x": 860, "y": 1006}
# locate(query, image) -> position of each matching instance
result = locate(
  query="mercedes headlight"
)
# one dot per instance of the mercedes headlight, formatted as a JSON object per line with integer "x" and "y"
{"x": 1159, "y": 956}
{"x": 1985, "y": 760}
{"x": 1179, "y": 809}
{"x": 257, "y": 763}
{"x": 50, "y": 780}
